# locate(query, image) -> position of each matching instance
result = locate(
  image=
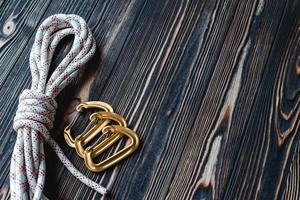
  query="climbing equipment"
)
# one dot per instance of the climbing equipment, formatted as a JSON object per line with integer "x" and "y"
{"x": 107, "y": 128}
{"x": 37, "y": 106}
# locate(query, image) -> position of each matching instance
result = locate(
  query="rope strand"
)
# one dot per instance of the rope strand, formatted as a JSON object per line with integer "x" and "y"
{"x": 37, "y": 106}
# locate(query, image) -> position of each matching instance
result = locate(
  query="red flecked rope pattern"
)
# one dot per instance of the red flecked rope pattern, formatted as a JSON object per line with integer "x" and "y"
{"x": 37, "y": 105}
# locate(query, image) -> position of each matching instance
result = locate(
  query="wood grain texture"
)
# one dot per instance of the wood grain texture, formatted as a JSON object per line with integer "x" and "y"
{"x": 212, "y": 88}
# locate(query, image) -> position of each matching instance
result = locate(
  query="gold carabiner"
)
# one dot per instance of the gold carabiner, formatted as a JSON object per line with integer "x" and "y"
{"x": 105, "y": 118}
{"x": 117, "y": 132}
{"x": 86, "y": 105}
{"x": 104, "y": 130}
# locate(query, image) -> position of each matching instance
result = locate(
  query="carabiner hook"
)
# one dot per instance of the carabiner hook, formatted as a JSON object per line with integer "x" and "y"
{"x": 86, "y": 105}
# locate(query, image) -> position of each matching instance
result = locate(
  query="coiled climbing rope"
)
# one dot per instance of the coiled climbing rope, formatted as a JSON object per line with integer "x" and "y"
{"x": 37, "y": 105}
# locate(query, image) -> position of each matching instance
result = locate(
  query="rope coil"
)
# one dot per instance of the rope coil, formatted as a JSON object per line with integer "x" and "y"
{"x": 37, "y": 106}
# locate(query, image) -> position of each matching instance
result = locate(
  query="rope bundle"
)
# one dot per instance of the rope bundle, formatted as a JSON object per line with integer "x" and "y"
{"x": 37, "y": 105}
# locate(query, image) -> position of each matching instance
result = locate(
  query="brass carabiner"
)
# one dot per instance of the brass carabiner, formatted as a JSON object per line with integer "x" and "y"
{"x": 104, "y": 118}
{"x": 86, "y": 105}
{"x": 117, "y": 132}
{"x": 104, "y": 130}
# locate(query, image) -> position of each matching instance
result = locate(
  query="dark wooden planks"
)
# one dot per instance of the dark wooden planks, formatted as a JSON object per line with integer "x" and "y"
{"x": 18, "y": 20}
{"x": 211, "y": 87}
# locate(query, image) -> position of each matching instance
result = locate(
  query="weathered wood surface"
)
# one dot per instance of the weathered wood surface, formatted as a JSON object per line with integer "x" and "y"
{"x": 212, "y": 87}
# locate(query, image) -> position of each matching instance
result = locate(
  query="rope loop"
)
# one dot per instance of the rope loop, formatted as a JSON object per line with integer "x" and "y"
{"x": 49, "y": 34}
{"x": 37, "y": 106}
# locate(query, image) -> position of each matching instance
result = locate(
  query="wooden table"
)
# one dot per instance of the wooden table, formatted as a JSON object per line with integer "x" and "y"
{"x": 212, "y": 88}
